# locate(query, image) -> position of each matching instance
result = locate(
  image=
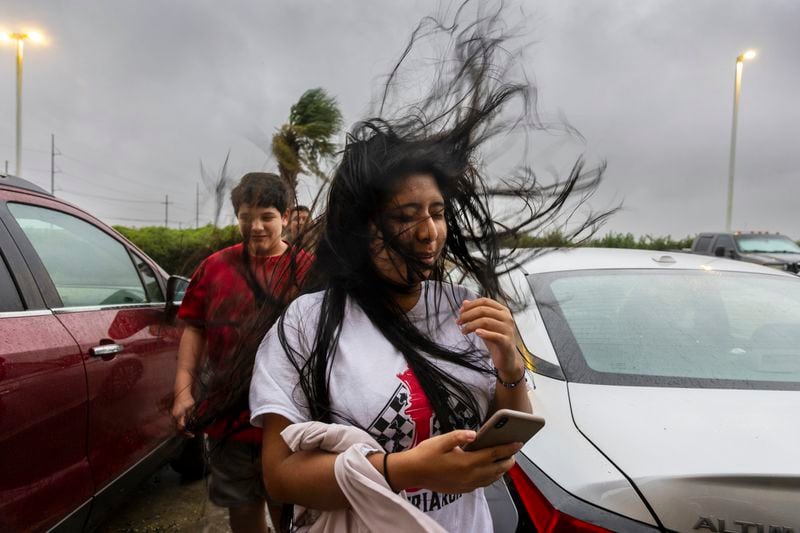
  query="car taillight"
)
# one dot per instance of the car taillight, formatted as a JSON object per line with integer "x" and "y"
{"x": 544, "y": 516}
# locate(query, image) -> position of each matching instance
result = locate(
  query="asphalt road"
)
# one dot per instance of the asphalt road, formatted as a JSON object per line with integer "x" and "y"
{"x": 165, "y": 504}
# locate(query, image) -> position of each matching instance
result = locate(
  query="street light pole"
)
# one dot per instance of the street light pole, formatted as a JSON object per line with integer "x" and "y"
{"x": 737, "y": 87}
{"x": 20, "y": 44}
{"x": 19, "y": 38}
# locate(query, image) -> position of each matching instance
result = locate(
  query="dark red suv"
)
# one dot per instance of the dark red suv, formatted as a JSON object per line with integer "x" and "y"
{"x": 88, "y": 347}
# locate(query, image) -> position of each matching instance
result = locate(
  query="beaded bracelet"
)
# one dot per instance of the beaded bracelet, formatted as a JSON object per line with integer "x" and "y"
{"x": 511, "y": 385}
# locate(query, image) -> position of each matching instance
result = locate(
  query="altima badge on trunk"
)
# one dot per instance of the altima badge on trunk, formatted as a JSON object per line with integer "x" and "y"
{"x": 739, "y": 526}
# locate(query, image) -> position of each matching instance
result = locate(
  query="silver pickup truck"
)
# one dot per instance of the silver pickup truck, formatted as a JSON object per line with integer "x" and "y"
{"x": 768, "y": 249}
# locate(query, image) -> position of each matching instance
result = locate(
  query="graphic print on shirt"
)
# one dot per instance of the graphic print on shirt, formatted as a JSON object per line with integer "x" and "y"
{"x": 406, "y": 420}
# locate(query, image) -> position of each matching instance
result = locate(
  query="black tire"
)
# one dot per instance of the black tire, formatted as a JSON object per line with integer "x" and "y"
{"x": 191, "y": 462}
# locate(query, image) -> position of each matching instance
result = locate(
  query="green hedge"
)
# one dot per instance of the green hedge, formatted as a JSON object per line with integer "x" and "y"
{"x": 179, "y": 251}
{"x": 610, "y": 240}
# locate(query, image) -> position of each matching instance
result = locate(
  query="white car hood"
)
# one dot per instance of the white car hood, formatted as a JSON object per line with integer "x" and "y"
{"x": 704, "y": 459}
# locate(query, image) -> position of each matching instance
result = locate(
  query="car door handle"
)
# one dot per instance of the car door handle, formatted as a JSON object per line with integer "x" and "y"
{"x": 106, "y": 351}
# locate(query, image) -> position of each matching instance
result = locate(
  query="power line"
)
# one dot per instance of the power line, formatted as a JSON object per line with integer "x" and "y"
{"x": 133, "y": 219}
{"x": 178, "y": 207}
{"x": 136, "y": 209}
{"x": 87, "y": 163}
{"x": 53, "y": 152}
{"x": 106, "y": 187}
{"x": 100, "y": 197}
{"x": 92, "y": 182}
{"x": 140, "y": 204}
{"x": 156, "y": 222}
{"x": 182, "y": 224}
{"x": 112, "y": 174}
{"x": 27, "y": 149}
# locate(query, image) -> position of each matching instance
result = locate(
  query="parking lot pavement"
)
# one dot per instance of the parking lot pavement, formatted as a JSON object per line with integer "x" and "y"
{"x": 163, "y": 504}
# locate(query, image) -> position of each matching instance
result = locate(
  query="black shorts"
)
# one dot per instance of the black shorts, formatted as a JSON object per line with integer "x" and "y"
{"x": 236, "y": 477}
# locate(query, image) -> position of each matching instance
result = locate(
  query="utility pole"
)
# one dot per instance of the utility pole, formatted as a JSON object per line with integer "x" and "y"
{"x": 197, "y": 206}
{"x": 53, "y": 155}
{"x": 53, "y": 164}
{"x": 166, "y": 211}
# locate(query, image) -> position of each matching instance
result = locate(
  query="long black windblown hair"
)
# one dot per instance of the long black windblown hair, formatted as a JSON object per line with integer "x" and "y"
{"x": 478, "y": 99}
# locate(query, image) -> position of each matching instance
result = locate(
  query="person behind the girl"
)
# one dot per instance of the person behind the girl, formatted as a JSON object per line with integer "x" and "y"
{"x": 298, "y": 218}
{"x": 226, "y": 289}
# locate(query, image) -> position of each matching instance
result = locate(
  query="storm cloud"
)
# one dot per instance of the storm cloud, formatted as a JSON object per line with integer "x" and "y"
{"x": 137, "y": 93}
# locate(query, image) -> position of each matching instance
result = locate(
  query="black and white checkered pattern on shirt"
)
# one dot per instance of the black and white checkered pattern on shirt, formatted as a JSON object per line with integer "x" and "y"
{"x": 469, "y": 420}
{"x": 393, "y": 430}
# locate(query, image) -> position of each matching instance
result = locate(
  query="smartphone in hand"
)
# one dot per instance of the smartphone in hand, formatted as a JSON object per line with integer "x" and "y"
{"x": 504, "y": 427}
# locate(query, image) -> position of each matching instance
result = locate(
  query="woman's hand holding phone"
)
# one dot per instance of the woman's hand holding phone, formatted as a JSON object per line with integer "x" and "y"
{"x": 504, "y": 426}
{"x": 441, "y": 464}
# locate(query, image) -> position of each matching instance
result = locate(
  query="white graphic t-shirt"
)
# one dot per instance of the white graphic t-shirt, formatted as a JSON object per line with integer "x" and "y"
{"x": 372, "y": 386}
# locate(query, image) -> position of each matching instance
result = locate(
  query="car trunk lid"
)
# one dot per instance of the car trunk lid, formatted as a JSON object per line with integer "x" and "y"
{"x": 705, "y": 459}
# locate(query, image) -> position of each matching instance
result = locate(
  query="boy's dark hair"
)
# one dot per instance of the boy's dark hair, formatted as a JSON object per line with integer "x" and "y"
{"x": 260, "y": 189}
{"x": 299, "y": 208}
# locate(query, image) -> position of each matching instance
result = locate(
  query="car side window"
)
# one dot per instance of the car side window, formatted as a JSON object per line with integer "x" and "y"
{"x": 726, "y": 241}
{"x": 88, "y": 267}
{"x": 704, "y": 243}
{"x": 9, "y": 296}
{"x": 151, "y": 286}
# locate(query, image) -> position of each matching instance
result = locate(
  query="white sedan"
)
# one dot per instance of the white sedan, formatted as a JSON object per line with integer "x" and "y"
{"x": 670, "y": 384}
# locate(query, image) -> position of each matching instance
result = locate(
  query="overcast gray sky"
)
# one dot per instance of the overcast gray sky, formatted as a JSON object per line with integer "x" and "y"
{"x": 138, "y": 92}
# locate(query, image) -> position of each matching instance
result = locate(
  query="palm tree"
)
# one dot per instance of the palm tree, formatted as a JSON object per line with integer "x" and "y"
{"x": 305, "y": 140}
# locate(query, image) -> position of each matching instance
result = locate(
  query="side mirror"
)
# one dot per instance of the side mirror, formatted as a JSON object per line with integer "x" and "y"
{"x": 719, "y": 251}
{"x": 731, "y": 254}
{"x": 176, "y": 288}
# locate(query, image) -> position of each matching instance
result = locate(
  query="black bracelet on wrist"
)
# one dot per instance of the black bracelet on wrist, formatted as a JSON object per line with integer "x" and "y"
{"x": 513, "y": 384}
{"x": 386, "y": 471}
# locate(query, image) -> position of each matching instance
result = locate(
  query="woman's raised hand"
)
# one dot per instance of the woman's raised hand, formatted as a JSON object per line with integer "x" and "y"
{"x": 440, "y": 464}
{"x": 492, "y": 322}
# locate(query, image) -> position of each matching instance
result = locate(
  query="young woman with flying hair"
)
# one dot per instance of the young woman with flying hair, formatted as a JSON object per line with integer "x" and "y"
{"x": 388, "y": 344}
{"x": 381, "y": 339}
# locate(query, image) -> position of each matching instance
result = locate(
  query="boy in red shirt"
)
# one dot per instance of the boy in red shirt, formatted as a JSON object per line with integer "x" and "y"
{"x": 226, "y": 289}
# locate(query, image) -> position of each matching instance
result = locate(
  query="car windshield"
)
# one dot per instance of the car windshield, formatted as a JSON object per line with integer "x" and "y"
{"x": 773, "y": 244}
{"x": 674, "y": 328}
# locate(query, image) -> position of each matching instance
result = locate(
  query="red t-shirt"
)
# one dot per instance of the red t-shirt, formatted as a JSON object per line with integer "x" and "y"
{"x": 220, "y": 297}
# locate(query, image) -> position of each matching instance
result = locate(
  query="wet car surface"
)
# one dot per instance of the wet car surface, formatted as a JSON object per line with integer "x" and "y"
{"x": 88, "y": 348}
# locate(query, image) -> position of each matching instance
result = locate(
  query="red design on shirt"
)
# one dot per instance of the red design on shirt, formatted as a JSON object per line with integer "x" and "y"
{"x": 419, "y": 408}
